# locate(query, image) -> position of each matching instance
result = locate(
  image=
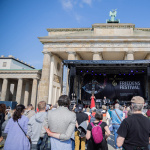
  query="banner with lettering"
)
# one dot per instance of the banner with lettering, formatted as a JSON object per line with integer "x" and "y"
{"x": 122, "y": 87}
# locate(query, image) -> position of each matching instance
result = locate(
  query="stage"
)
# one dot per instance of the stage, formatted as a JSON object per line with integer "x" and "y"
{"x": 115, "y": 79}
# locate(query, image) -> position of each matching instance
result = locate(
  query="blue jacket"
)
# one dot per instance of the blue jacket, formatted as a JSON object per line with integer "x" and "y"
{"x": 115, "y": 118}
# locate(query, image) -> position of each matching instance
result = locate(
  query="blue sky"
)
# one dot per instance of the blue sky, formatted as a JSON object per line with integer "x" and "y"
{"x": 22, "y": 21}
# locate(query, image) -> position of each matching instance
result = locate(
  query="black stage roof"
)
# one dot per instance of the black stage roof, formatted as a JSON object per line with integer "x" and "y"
{"x": 109, "y": 66}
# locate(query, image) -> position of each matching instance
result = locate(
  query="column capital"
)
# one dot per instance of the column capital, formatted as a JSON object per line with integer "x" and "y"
{"x": 49, "y": 53}
{"x": 71, "y": 55}
{"x": 130, "y": 52}
{"x": 35, "y": 78}
{"x": 71, "y": 52}
{"x": 20, "y": 78}
{"x": 97, "y": 52}
{"x": 97, "y": 55}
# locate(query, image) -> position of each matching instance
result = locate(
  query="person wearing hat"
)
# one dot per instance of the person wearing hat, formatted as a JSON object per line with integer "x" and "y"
{"x": 81, "y": 117}
{"x": 134, "y": 131}
{"x": 92, "y": 114}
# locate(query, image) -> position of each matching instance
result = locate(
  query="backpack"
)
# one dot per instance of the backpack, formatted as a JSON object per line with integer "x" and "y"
{"x": 92, "y": 118}
{"x": 97, "y": 133}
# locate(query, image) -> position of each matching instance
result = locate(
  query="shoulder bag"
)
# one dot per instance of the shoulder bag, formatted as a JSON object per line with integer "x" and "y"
{"x": 118, "y": 116}
{"x": 24, "y": 133}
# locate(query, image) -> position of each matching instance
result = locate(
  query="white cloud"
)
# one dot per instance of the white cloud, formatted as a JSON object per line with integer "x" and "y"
{"x": 67, "y": 4}
{"x": 78, "y": 18}
{"x": 89, "y": 2}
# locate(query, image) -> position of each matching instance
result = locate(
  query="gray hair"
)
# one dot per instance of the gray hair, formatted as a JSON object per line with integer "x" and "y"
{"x": 117, "y": 106}
{"x": 137, "y": 107}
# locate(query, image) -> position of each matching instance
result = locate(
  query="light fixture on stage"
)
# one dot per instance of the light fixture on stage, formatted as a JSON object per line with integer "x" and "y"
{"x": 142, "y": 71}
{"x": 124, "y": 74}
{"x": 136, "y": 71}
{"x": 92, "y": 71}
{"x": 129, "y": 74}
{"x": 100, "y": 74}
{"x": 95, "y": 74}
{"x": 131, "y": 70}
{"x": 87, "y": 71}
{"x": 133, "y": 73}
{"x": 119, "y": 74}
{"x": 92, "y": 74}
{"x": 81, "y": 70}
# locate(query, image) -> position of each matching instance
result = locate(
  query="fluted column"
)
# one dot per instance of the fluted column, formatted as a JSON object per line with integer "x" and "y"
{"x": 97, "y": 56}
{"x": 1, "y": 83}
{"x": 4, "y": 89}
{"x": 44, "y": 83}
{"x": 130, "y": 55}
{"x": 34, "y": 92}
{"x": 14, "y": 92}
{"x": 19, "y": 90}
{"x": 71, "y": 55}
{"x": 8, "y": 92}
{"x": 26, "y": 94}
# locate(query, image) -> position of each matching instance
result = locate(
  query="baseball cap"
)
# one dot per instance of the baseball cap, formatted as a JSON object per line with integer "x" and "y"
{"x": 80, "y": 107}
{"x": 93, "y": 108}
{"x": 138, "y": 100}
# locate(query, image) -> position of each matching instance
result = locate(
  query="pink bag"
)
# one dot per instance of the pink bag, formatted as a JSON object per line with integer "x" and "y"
{"x": 97, "y": 133}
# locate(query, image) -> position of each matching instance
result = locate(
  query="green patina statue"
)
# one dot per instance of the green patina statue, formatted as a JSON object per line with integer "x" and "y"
{"x": 113, "y": 14}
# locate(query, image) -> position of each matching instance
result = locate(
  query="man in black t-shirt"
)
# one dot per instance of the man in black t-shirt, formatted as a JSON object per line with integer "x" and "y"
{"x": 81, "y": 117}
{"x": 134, "y": 131}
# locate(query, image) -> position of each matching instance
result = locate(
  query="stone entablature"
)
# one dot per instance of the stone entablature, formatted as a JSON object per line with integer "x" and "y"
{"x": 98, "y": 45}
{"x": 67, "y": 29}
{"x": 143, "y": 29}
{"x": 26, "y": 74}
{"x": 63, "y": 31}
{"x": 113, "y": 25}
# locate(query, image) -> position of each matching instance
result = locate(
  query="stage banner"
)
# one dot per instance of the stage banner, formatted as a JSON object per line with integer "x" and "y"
{"x": 122, "y": 87}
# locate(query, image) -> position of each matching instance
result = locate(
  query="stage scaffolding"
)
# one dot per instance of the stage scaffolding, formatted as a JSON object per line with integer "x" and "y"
{"x": 75, "y": 70}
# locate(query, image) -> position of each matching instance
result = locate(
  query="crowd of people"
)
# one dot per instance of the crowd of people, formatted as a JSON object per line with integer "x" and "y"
{"x": 63, "y": 127}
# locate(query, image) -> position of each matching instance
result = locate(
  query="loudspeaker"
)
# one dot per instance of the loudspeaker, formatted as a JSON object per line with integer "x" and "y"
{"x": 73, "y": 71}
{"x": 148, "y": 71}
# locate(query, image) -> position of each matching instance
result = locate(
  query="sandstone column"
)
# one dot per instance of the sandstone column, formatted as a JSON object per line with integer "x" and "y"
{"x": 4, "y": 89}
{"x": 14, "y": 92}
{"x": 34, "y": 92}
{"x": 19, "y": 90}
{"x": 8, "y": 92}
{"x": 130, "y": 55}
{"x": 44, "y": 83}
{"x": 26, "y": 94}
{"x": 148, "y": 56}
{"x": 1, "y": 82}
{"x": 71, "y": 55}
{"x": 50, "y": 99}
{"x": 97, "y": 56}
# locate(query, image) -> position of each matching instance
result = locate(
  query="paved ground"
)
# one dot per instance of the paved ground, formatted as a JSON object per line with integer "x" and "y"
{"x": 110, "y": 141}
